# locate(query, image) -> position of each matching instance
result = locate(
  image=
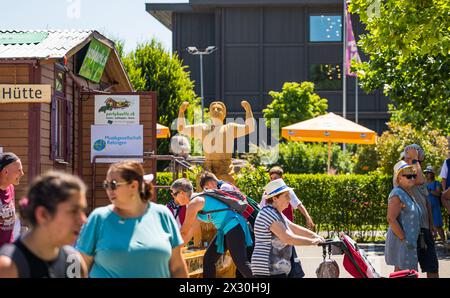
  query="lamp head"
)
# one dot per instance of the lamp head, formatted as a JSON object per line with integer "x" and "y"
{"x": 210, "y": 49}
{"x": 192, "y": 50}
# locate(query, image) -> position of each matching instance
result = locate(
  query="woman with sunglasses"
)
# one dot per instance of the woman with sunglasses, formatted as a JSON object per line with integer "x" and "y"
{"x": 233, "y": 233}
{"x": 132, "y": 237}
{"x": 403, "y": 216}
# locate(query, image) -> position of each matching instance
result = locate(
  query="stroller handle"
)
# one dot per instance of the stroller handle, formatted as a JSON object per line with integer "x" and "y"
{"x": 330, "y": 242}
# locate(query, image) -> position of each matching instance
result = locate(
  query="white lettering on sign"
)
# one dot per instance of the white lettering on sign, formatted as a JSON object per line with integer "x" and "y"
{"x": 97, "y": 56}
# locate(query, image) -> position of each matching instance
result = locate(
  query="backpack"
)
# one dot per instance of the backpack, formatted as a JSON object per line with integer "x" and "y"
{"x": 23, "y": 268}
{"x": 236, "y": 201}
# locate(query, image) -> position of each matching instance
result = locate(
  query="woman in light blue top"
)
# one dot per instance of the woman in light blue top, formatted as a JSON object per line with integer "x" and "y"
{"x": 132, "y": 237}
{"x": 232, "y": 228}
{"x": 403, "y": 216}
{"x": 434, "y": 197}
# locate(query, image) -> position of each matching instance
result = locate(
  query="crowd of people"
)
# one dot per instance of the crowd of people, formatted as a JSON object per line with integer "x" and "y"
{"x": 414, "y": 213}
{"x": 134, "y": 237}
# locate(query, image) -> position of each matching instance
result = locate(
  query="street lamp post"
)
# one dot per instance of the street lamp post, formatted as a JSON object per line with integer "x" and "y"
{"x": 196, "y": 51}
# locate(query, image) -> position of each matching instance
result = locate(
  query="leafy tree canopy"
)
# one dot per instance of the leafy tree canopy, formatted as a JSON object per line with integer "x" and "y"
{"x": 408, "y": 42}
{"x": 296, "y": 102}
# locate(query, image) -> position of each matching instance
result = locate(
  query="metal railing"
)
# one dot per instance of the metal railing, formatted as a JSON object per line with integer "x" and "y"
{"x": 178, "y": 165}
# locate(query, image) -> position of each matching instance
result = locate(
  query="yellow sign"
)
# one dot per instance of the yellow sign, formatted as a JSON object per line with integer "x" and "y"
{"x": 25, "y": 93}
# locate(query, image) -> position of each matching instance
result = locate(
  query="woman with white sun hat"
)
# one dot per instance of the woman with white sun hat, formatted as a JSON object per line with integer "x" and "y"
{"x": 276, "y": 236}
{"x": 403, "y": 216}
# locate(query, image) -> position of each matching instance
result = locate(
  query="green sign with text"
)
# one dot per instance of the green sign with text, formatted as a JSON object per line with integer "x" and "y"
{"x": 95, "y": 61}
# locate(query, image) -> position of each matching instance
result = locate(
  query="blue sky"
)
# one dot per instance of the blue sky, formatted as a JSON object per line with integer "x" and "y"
{"x": 119, "y": 19}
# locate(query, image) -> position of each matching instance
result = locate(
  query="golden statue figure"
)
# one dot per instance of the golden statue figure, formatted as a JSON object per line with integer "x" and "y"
{"x": 218, "y": 138}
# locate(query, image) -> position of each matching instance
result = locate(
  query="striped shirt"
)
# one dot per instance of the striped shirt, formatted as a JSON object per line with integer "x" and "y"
{"x": 270, "y": 256}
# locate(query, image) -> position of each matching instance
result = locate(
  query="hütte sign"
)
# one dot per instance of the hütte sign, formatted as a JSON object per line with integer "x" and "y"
{"x": 25, "y": 93}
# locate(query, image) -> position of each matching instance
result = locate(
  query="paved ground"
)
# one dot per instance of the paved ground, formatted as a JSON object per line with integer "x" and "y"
{"x": 312, "y": 256}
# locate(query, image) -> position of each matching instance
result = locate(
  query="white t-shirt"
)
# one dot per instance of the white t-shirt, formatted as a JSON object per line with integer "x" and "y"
{"x": 295, "y": 202}
{"x": 444, "y": 171}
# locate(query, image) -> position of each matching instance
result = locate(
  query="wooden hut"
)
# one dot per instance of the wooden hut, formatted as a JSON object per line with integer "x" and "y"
{"x": 47, "y": 102}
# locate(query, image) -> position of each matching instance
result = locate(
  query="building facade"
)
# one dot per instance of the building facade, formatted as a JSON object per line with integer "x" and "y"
{"x": 261, "y": 44}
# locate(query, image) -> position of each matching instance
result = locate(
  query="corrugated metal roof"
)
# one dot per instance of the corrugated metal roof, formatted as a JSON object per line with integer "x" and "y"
{"x": 56, "y": 45}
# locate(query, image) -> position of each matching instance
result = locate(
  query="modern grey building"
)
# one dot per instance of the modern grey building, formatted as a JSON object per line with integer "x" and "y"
{"x": 264, "y": 43}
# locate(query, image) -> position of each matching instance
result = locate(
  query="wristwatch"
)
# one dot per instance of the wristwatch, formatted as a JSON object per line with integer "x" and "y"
{"x": 414, "y": 161}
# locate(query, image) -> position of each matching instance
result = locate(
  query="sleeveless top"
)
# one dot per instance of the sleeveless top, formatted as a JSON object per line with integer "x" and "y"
{"x": 65, "y": 265}
{"x": 403, "y": 254}
{"x": 224, "y": 221}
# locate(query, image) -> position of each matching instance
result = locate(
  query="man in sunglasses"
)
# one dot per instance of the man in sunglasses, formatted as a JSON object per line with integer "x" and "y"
{"x": 426, "y": 251}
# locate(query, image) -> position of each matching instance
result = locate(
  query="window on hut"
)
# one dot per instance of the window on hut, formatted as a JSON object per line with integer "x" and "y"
{"x": 61, "y": 115}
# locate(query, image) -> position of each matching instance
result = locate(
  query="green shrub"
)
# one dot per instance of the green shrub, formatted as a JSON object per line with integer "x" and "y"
{"x": 300, "y": 157}
{"x": 335, "y": 202}
{"x": 296, "y": 102}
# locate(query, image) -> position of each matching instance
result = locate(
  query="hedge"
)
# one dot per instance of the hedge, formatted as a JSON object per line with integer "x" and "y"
{"x": 335, "y": 202}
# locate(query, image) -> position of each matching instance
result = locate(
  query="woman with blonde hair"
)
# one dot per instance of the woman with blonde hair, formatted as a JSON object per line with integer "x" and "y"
{"x": 403, "y": 216}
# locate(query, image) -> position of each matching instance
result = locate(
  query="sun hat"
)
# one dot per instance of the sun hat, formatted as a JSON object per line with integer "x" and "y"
{"x": 429, "y": 169}
{"x": 276, "y": 187}
{"x": 398, "y": 168}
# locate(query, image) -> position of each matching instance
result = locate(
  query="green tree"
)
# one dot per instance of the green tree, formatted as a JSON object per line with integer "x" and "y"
{"x": 408, "y": 42}
{"x": 151, "y": 68}
{"x": 296, "y": 102}
{"x": 392, "y": 143}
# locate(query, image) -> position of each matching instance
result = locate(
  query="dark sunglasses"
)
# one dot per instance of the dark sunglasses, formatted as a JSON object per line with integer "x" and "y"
{"x": 112, "y": 185}
{"x": 410, "y": 176}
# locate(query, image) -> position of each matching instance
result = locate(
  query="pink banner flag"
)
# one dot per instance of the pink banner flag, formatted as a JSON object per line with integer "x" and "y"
{"x": 351, "y": 49}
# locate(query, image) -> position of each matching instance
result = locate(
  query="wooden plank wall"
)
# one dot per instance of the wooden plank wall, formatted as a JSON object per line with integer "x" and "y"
{"x": 14, "y": 121}
{"x": 147, "y": 118}
{"x": 70, "y": 95}
{"x": 47, "y": 77}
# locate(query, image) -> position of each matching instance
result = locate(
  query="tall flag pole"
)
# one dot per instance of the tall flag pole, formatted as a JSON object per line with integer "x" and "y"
{"x": 351, "y": 54}
{"x": 344, "y": 64}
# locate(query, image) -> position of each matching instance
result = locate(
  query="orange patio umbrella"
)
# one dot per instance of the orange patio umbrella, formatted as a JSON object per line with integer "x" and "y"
{"x": 329, "y": 128}
{"x": 162, "y": 131}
